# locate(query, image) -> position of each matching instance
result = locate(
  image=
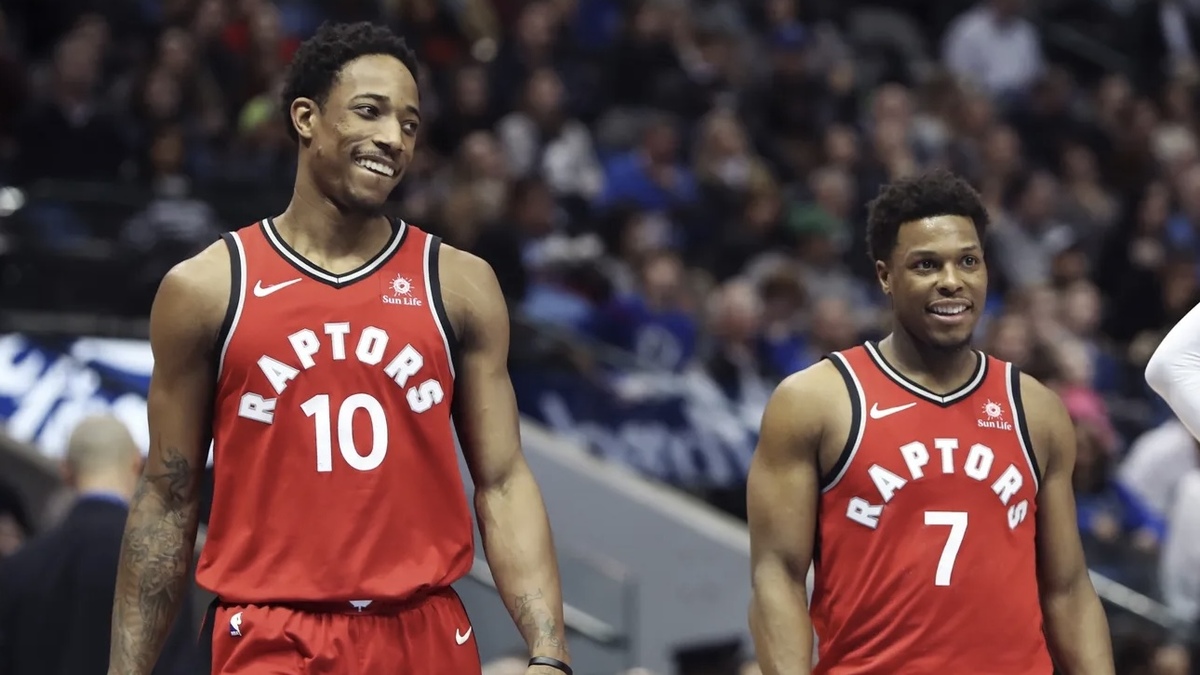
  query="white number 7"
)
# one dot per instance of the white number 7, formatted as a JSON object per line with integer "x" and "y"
{"x": 957, "y": 520}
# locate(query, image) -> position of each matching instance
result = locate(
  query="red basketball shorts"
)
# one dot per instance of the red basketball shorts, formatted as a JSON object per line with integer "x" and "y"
{"x": 429, "y": 636}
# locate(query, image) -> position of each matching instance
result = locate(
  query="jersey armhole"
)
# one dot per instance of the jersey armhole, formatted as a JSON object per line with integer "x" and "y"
{"x": 433, "y": 288}
{"x": 237, "y": 294}
{"x": 830, "y": 478}
{"x": 1013, "y": 382}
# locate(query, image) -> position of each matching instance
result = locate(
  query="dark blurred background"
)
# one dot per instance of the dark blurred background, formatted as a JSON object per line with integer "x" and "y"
{"x": 672, "y": 193}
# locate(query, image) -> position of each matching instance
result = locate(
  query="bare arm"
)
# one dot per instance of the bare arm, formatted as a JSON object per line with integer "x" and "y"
{"x": 782, "y": 493}
{"x": 161, "y": 530}
{"x": 1075, "y": 623}
{"x": 508, "y": 503}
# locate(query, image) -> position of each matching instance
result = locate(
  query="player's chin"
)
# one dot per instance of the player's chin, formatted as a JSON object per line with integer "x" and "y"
{"x": 949, "y": 335}
{"x": 951, "y": 339}
{"x": 367, "y": 198}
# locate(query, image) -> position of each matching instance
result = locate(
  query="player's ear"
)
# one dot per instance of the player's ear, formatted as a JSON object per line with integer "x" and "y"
{"x": 304, "y": 113}
{"x": 884, "y": 275}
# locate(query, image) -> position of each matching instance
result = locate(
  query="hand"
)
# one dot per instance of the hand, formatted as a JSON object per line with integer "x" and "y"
{"x": 543, "y": 670}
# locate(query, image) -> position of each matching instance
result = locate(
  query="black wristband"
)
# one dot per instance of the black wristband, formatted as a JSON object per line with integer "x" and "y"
{"x": 551, "y": 663}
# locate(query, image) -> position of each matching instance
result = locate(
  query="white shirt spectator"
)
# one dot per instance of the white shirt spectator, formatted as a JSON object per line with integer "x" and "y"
{"x": 1000, "y": 55}
{"x": 1156, "y": 463}
{"x": 567, "y": 162}
{"x": 1180, "y": 561}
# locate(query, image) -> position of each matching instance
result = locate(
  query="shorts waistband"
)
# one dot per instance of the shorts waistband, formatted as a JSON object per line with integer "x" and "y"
{"x": 369, "y": 607}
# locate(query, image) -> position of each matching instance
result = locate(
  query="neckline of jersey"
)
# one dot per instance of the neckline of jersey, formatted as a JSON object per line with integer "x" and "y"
{"x": 318, "y": 273}
{"x": 892, "y": 373}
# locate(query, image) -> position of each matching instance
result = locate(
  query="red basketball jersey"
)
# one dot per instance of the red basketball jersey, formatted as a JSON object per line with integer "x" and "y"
{"x": 925, "y": 559}
{"x": 335, "y": 468}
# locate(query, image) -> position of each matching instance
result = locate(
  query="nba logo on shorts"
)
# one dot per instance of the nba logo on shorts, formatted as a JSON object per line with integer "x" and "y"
{"x": 235, "y": 625}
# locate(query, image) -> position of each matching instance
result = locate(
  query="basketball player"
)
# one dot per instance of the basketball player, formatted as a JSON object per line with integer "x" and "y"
{"x": 322, "y": 351}
{"x": 929, "y": 483}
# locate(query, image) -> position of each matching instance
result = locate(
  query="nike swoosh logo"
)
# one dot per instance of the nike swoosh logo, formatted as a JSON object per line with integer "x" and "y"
{"x": 878, "y": 413}
{"x": 461, "y": 638}
{"x": 261, "y": 291}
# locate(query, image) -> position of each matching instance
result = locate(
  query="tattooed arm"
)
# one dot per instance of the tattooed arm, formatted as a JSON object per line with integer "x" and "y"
{"x": 508, "y": 503}
{"x": 161, "y": 530}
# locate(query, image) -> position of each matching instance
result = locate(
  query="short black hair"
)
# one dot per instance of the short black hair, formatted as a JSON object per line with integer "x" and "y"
{"x": 320, "y": 58}
{"x": 934, "y": 193}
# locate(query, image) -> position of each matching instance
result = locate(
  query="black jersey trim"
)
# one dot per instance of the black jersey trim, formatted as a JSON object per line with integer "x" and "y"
{"x": 237, "y": 296}
{"x": 944, "y": 400}
{"x": 317, "y": 273}
{"x": 437, "y": 305}
{"x": 858, "y": 427}
{"x": 1020, "y": 423}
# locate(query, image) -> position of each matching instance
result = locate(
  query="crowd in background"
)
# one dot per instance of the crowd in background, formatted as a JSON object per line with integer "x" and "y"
{"x": 686, "y": 180}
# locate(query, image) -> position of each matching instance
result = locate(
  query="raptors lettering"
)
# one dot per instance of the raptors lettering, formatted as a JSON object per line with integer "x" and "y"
{"x": 977, "y": 466}
{"x": 371, "y": 348}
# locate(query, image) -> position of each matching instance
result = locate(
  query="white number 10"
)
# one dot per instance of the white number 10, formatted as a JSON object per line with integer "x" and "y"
{"x": 957, "y": 520}
{"x": 318, "y": 407}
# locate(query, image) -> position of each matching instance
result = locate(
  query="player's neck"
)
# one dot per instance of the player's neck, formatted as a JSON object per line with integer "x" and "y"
{"x": 939, "y": 370}
{"x": 313, "y": 224}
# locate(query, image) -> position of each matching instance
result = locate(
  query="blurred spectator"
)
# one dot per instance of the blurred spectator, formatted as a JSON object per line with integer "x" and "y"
{"x": 67, "y": 133}
{"x": 468, "y": 107}
{"x": 1154, "y": 466}
{"x": 541, "y": 138}
{"x": 1029, "y": 237}
{"x": 56, "y": 594}
{"x": 1181, "y": 552}
{"x": 1163, "y": 35}
{"x": 657, "y": 321}
{"x": 651, "y": 177}
{"x": 735, "y": 316}
{"x": 174, "y": 225}
{"x": 994, "y": 47}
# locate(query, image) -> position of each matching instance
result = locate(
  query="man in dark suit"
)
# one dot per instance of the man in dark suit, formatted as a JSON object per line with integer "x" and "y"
{"x": 1164, "y": 38}
{"x": 56, "y": 593}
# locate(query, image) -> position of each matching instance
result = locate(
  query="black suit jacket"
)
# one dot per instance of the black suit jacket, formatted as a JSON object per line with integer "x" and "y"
{"x": 1147, "y": 42}
{"x": 56, "y": 599}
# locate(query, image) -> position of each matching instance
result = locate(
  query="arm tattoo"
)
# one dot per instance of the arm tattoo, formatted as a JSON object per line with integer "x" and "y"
{"x": 155, "y": 558}
{"x": 536, "y": 622}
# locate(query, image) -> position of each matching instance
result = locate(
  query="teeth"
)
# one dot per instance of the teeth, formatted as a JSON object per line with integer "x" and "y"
{"x": 949, "y": 311}
{"x": 376, "y": 167}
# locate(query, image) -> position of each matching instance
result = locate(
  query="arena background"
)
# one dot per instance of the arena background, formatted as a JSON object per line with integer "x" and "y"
{"x": 672, "y": 194}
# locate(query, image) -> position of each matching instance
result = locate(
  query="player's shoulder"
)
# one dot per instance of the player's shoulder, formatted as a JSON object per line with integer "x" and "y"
{"x": 207, "y": 273}
{"x": 1041, "y": 406}
{"x": 802, "y": 405}
{"x": 197, "y": 290}
{"x": 470, "y": 293}
{"x": 468, "y": 283}
{"x": 813, "y": 381}
{"x": 463, "y": 264}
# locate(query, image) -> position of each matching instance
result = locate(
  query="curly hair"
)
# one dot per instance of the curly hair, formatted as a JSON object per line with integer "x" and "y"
{"x": 936, "y": 193}
{"x": 320, "y": 59}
